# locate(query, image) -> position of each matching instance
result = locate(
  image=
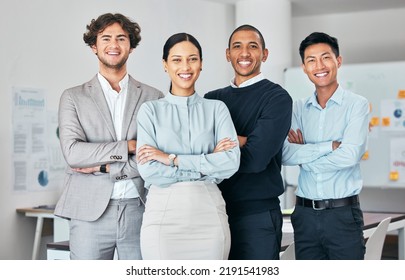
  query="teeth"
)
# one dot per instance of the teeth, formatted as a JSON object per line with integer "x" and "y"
{"x": 244, "y": 62}
{"x": 185, "y": 76}
{"x": 113, "y": 53}
{"x": 321, "y": 74}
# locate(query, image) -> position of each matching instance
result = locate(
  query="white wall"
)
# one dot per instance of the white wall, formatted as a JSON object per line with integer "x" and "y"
{"x": 374, "y": 36}
{"x": 42, "y": 47}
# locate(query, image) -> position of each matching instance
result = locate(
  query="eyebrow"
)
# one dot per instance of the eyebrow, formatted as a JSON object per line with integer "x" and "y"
{"x": 251, "y": 42}
{"x": 313, "y": 56}
{"x": 179, "y": 55}
{"x": 109, "y": 36}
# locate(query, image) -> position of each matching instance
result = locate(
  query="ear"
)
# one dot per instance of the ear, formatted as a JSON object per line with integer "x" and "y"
{"x": 227, "y": 54}
{"x": 265, "y": 55}
{"x": 339, "y": 61}
{"x": 304, "y": 68}
{"x": 164, "y": 65}
{"x": 94, "y": 49}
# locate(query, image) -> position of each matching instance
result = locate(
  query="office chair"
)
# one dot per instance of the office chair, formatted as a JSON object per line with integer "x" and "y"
{"x": 375, "y": 242}
{"x": 289, "y": 253}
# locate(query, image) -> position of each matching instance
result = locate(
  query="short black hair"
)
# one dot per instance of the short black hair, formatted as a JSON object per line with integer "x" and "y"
{"x": 248, "y": 28}
{"x": 319, "y": 38}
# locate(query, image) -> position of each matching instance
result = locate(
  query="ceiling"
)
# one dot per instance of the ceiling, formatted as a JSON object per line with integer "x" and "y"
{"x": 316, "y": 7}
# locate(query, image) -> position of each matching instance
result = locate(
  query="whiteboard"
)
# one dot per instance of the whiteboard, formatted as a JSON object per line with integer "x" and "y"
{"x": 376, "y": 82}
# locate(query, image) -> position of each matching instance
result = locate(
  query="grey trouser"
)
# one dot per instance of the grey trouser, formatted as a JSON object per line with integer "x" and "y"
{"x": 117, "y": 229}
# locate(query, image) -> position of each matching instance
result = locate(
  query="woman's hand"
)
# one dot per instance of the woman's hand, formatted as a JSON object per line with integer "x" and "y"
{"x": 147, "y": 153}
{"x": 225, "y": 145}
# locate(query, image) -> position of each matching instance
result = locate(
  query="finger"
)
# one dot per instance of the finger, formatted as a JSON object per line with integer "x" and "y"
{"x": 300, "y": 136}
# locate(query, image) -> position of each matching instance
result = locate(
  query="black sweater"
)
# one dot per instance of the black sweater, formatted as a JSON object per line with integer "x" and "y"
{"x": 262, "y": 113}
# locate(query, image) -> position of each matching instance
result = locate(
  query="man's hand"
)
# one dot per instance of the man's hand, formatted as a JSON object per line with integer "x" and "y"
{"x": 131, "y": 146}
{"x": 295, "y": 137}
{"x": 87, "y": 170}
{"x": 242, "y": 141}
{"x": 335, "y": 145}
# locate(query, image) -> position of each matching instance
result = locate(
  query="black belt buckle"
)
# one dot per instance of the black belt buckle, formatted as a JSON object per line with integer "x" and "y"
{"x": 317, "y": 208}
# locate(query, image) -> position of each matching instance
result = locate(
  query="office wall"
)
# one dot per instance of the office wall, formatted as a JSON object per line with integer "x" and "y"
{"x": 365, "y": 37}
{"x": 42, "y": 47}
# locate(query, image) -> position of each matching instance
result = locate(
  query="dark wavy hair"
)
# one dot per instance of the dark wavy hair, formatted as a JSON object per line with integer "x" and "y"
{"x": 98, "y": 25}
{"x": 318, "y": 38}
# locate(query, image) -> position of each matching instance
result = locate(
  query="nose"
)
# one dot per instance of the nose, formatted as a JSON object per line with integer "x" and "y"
{"x": 320, "y": 64}
{"x": 185, "y": 65}
{"x": 114, "y": 43}
{"x": 245, "y": 52}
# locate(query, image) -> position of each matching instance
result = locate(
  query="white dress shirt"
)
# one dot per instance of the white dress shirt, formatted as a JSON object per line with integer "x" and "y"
{"x": 116, "y": 103}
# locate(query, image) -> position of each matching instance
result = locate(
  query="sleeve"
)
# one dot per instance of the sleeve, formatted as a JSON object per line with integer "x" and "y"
{"x": 353, "y": 143}
{"x": 296, "y": 154}
{"x": 268, "y": 135}
{"x": 78, "y": 152}
{"x": 221, "y": 165}
{"x": 154, "y": 172}
{"x": 191, "y": 167}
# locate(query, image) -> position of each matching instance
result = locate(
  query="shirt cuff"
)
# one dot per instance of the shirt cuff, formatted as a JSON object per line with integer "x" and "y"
{"x": 325, "y": 148}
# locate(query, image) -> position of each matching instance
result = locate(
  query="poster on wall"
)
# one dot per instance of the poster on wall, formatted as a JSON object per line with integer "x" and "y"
{"x": 393, "y": 115}
{"x": 32, "y": 149}
{"x": 397, "y": 166}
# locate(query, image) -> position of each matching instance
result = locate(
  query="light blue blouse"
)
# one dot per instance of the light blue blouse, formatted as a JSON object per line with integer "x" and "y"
{"x": 327, "y": 173}
{"x": 189, "y": 127}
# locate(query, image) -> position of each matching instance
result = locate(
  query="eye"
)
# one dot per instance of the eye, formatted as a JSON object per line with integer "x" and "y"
{"x": 253, "y": 46}
{"x": 236, "y": 46}
{"x": 194, "y": 59}
{"x": 176, "y": 60}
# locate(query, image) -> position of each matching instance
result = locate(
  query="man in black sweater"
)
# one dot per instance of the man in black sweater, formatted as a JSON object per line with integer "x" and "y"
{"x": 261, "y": 111}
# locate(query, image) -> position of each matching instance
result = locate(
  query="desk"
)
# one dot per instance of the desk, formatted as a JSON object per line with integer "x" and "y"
{"x": 371, "y": 221}
{"x": 61, "y": 229}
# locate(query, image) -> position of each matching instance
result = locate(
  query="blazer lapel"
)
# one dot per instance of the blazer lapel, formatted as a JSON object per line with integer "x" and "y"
{"x": 96, "y": 93}
{"x": 133, "y": 96}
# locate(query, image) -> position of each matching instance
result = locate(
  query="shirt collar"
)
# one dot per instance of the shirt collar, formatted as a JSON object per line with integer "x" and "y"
{"x": 336, "y": 97}
{"x": 182, "y": 100}
{"x": 105, "y": 85}
{"x": 249, "y": 82}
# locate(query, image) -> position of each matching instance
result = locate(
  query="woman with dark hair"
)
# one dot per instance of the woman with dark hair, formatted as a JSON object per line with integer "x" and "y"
{"x": 186, "y": 146}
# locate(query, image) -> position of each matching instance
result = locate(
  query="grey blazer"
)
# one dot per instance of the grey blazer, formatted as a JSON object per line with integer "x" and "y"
{"x": 87, "y": 138}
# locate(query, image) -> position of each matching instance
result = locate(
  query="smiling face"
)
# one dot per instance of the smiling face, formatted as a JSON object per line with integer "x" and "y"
{"x": 246, "y": 54}
{"x": 183, "y": 65}
{"x": 112, "y": 48}
{"x": 321, "y": 65}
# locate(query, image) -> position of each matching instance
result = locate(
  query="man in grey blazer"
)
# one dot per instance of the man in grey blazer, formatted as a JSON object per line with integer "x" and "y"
{"x": 103, "y": 194}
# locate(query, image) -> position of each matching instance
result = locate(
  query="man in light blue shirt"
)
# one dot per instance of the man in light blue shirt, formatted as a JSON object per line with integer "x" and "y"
{"x": 327, "y": 140}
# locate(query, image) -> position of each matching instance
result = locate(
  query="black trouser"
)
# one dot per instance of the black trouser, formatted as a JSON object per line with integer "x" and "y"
{"x": 256, "y": 236}
{"x": 334, "y": 234}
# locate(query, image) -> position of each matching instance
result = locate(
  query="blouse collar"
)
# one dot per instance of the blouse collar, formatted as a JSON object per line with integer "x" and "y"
{"x": 182, "y": 100}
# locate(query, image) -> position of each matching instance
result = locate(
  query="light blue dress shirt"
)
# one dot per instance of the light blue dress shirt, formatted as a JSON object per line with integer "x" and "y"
{"x": 325, "y": 173}
{"x": 189, "y": 127}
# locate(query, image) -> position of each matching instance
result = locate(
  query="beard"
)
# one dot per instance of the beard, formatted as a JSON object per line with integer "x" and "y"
{"x": 116, "y": 66}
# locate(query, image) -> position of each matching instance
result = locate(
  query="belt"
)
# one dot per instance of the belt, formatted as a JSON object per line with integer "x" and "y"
{"x": 327, "y": 203}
